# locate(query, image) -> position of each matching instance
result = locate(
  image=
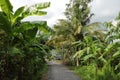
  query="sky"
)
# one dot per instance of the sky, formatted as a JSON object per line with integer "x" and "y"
{"x": 104, "y": 10}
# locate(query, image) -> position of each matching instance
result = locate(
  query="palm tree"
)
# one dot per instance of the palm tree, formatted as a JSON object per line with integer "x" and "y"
{"x": 76, "y": 26}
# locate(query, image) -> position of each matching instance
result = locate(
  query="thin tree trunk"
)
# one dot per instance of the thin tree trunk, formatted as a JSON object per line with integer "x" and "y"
{"x": 77, "y": 62}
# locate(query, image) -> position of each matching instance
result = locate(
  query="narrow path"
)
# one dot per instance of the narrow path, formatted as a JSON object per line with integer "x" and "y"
{"x": 59, "y": 72}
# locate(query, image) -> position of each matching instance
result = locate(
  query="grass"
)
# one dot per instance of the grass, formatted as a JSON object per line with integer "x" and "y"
{"x": 84, "y": 72}
{"x": 44, "y": 73}
{"x": 91, "y": 73}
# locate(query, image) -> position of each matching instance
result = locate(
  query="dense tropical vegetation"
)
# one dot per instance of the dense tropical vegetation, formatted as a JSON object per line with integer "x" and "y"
{"x": 22, "y": 44}
{"x": 92, "y": 49}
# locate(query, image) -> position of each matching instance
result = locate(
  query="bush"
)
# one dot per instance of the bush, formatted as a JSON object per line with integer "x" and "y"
{"x": 28, "y": 65}
{"x": 85, "y": 72}
{"x": 107, "y": 73}
{"x": 91, "y": 72}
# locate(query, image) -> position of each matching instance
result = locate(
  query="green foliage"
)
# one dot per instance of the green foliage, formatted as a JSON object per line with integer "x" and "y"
{"x": 113, "y": 30}
{"x": 78, "y": 12}
{"x": 89, "y": 73}
{"x": 107, "y": 73}
{"x": 22, "y": 55}
{"x": 5, "y": 23}
{"x": 74, "y": 30}
{"x": 36, "y": 9}
{"x": 85, "y": 72}
{"x": 86, "y": 44}
{"x": 6, "y": 6}
{"x": 89, "y": 50}
{"x": 104, "y": 55}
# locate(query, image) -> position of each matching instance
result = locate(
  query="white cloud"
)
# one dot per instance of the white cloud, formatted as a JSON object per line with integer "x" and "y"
{"x": 104, "y": 10}
{"x": 55, "y": 11}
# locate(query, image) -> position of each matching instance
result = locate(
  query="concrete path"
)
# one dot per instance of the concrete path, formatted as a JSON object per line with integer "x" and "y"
{"x": 59, "y": 72}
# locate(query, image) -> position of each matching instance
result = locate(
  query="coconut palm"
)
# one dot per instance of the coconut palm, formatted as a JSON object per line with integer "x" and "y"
{"x": 76, "y": 26}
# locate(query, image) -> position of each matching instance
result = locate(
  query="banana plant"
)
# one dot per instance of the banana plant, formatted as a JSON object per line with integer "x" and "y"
{"x": 22, "y": 53}
{"x": 112, "y": 51}
{"x": 11, "y": 22}
{"x": 88, "y": 50}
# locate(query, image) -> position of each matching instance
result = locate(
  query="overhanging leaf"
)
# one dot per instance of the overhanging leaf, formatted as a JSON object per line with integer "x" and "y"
{"x": 19, "y": 11}
{"x": 31, "y": 33}
{"x": 17, "y": 14}
{"x": 79, "y": 53}
{"x": 116, "y": 54}
{"x": 117, "y": 66}
{"x": 6, "y": 6}
{"x": 88, "y": 57}
{"x": 36, "y": 9}
{"x": 5, "y": 24}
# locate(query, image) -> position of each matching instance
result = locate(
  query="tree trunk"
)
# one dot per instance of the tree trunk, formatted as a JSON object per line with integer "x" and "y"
{"x": 77, "y": 62}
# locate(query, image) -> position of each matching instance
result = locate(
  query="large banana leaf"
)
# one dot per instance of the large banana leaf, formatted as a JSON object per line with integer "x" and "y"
{"x": 41, "y": 5}
{"x": 30, "y": 34}
{"x": 41, "y": 47}
{"x": 19, "y": 11}
{"x": 36, "y": 9}
{"x": 6, "y": 6}
{"x": 17, "y": 14}
{"x": 116, "y": 54}
{"x": 23, "y": 11}
{"x": 5, "y": 24}
{"x": 117, "y": 66}
{"x": 109, "y": 48}
{"x": 42, "y": 25}
{"x": 24, "y": 26}
{"x": 96, "y": 29}
{"x": 79, "y": 53}
{"x": 30, "y": 29}
{"x": 88, "y": 57}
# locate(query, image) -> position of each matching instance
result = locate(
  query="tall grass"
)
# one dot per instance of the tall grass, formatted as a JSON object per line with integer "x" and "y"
{"x": 91, "y": 72}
